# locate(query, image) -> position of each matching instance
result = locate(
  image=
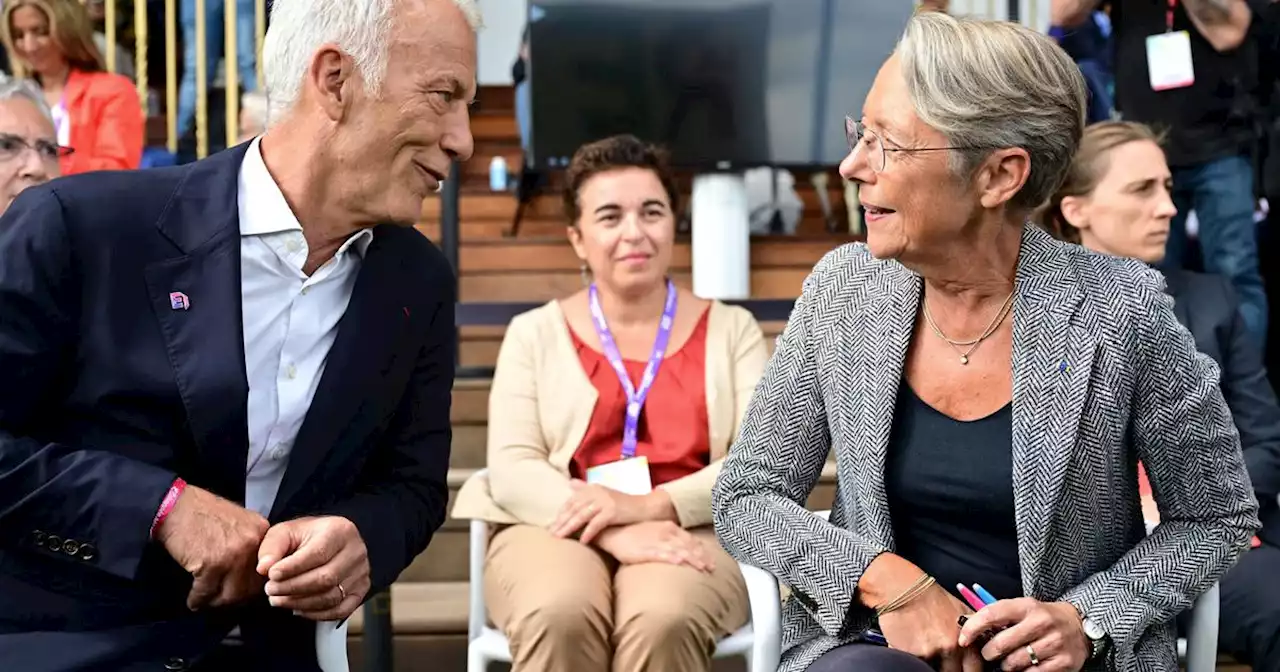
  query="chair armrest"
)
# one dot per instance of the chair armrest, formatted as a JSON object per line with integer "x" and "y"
{"x": 331, "y": 646}
{"x": 1202, "y": 638}
{"x": 479, "y": 547}
{"x": 766, "y": 617}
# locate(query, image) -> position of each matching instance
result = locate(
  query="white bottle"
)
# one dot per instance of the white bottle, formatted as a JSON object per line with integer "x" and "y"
{"x": 498, "y": 174}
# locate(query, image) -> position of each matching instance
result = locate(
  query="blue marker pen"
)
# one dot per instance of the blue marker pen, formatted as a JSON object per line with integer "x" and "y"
{"x": 987, "y": 598}
{"x": 872, "y": 636}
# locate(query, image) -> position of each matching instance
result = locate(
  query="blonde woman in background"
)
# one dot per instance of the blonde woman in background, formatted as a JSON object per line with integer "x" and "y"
{"x": 95, "y": 112}
{"x": 1116, "y": 200}
{"x": 605, "y": 558}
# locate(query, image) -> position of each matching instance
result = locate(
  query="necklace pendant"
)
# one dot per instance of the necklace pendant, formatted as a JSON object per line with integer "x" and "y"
{"x": 964, "y": 359}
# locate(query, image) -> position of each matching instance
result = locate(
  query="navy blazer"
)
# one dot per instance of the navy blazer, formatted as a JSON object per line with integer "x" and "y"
{"x": 1208, "y": 307}
{"x": 108, "y": 393}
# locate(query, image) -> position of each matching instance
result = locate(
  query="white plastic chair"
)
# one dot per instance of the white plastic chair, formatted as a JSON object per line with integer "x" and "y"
{"x": 487, "y": 645}
{"x": 331, "y": 646}
{"x": 1199, "y": 650}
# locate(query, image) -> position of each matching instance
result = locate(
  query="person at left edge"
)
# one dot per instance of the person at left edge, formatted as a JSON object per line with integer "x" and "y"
{"x": 264, "y": 324}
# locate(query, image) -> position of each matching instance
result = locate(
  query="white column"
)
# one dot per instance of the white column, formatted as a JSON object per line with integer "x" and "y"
{"x": 721, "y": 237}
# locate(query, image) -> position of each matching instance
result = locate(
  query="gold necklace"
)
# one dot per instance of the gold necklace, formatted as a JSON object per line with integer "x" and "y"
{"x": 973, "y": 344}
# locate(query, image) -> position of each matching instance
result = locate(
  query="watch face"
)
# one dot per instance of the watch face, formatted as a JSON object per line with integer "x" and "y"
{"x": 1092, "y": 630}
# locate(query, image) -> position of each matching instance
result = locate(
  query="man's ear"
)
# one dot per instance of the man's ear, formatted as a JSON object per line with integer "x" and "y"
{"x": 330, "y": 77}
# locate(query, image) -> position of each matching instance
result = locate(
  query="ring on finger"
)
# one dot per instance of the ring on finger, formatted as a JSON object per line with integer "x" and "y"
{"x": 1031, "y": 653}
{"x": 343, "y": 592}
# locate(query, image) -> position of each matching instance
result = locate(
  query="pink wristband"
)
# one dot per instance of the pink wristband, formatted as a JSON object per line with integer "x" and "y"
{"x": 166, "y": 506}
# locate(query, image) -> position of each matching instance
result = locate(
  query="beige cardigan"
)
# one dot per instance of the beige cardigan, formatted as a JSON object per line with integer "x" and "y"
{"x": 541, "y": 404}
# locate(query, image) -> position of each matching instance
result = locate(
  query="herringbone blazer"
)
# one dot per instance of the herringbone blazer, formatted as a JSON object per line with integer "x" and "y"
{"x": 1103, "y": 376}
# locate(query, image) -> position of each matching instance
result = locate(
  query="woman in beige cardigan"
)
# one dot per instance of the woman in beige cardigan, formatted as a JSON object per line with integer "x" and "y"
{"x": 601, "y": 490}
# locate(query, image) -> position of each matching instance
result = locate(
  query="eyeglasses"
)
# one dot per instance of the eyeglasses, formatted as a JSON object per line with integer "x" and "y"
{"x": 12, "y": 146}
{"x": 861, "y": 138}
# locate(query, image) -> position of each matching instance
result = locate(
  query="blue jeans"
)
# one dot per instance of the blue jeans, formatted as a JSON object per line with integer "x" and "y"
{"x": 215, "y": 37}
{"x": 1221, "y": 193}
{"x": 524, "y": 113}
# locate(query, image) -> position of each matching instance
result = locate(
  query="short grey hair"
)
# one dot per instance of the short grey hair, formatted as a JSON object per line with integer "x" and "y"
{"x": 361, "y": 28}
{"x": 11, "y": 89}
{"x": 988, "y": 85}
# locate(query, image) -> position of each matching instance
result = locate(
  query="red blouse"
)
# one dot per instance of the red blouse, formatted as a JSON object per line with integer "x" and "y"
{"x": 678, "y": 444}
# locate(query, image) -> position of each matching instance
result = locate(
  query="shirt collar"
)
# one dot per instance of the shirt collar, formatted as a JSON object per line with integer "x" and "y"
{"x": 263, "y": 209}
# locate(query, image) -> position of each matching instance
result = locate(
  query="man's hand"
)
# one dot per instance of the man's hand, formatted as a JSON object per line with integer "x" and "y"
{"x": 1052, "y": 632}
{"x": 217, "y": 542}
{"x": 655, "y": 541}
{"x": 318, "y": 567}
{"x": 594, "y": 508}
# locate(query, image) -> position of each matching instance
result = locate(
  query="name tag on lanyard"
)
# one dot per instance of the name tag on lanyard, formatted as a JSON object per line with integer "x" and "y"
{"x": 630, "y": 474}
{"x": 1169, "y": 62}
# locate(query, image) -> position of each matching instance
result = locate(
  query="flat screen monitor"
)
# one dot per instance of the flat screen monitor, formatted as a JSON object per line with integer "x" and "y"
{"x": 723, "y": 84}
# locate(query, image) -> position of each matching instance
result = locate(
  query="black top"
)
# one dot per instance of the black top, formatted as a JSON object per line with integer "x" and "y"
{"x": 1212, "y": 118}
{"x": 950, "y": 490}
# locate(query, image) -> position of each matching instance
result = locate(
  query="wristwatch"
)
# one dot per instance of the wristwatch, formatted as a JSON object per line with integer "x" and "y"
{"x": 1097, "y": 638}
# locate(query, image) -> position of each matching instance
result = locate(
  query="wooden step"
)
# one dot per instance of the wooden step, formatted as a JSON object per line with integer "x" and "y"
{"x": 556, "y": 254}
{"x": 485, "y": 214}
{"x": 418, "y": 653}
{"x": 478, "y": 346}
{"x": 496, "y": 130}
{"x": 540, "y": 286}
{"x": 484, "y": 204}
{"x": 492, "y": 98}
{"x": 422, "y": 608}
{"x": 515, "y": 271}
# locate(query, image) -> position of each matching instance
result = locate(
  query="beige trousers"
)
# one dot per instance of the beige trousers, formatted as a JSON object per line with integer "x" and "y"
{"x": 566, "y": 607}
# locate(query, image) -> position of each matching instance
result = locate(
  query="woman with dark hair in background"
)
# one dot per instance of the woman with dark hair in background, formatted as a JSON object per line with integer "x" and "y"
{"x": 604, "y": 441}
{"x": 96, "y": 113}
{"x": 1116, "y": 200}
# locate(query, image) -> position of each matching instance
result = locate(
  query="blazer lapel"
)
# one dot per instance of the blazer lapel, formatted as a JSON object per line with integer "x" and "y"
{"x": 878, "y": 353}
{"x": 1052, "y": 356}
{"x": 196, "y": 299}
{"x": 376, "y": 318}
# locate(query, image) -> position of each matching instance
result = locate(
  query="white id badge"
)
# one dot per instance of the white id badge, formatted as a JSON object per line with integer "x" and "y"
{"x": 1169, "y": 61}
{"x": 629, "y": 476}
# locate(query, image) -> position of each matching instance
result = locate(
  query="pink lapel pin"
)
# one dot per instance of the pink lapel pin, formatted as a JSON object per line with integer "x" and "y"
{"x": 406, "y": 311}
{"x": 179, "y": 301}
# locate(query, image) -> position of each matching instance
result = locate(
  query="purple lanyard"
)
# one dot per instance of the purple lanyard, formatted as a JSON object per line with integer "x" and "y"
{"x": 635, "y": 398}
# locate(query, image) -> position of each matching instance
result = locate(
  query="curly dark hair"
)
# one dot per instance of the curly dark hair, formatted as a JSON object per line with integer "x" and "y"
{"x": 613, "y": 153}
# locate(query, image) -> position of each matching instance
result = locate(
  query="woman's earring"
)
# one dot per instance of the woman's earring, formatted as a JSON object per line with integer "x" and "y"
{"x": 582, "y": 270}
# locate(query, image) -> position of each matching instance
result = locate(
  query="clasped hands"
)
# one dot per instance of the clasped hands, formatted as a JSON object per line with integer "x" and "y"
{"x": 634, "y": 529}
{"x": 317, "y": 567}
{"x": 927, "y": 629}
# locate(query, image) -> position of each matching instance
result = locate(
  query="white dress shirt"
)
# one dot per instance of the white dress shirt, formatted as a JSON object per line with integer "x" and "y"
{"x": 290, "y": 322}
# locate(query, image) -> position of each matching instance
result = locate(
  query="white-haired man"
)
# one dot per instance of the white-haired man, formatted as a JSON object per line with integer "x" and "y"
{"x": 29, "y": 148}
{"x": 227, "y": 385}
